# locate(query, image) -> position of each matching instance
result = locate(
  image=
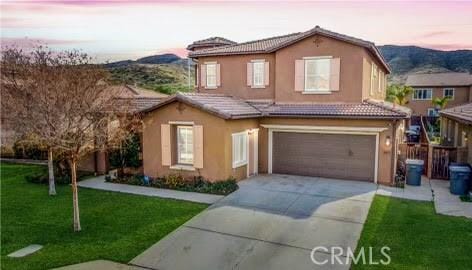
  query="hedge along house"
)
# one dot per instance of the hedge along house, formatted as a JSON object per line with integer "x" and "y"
{"x": 308, "y": 103}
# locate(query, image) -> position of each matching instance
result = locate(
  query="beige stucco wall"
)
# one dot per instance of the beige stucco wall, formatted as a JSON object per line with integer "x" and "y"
{"x": 354, "y": 80}
{"x": 234, "y": 76}
{"x": 420, "y": 107}
{"x": 217, "y": 142}
{"x": 385, "y": 153}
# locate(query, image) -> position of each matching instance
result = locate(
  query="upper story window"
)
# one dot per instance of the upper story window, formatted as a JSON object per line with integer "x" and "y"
{"x": 211, "y": 75}
{"x": 258, "y": 73}
{"x": 448, "y": 92}
{"x": 317, "y": 74}
{"x": 374, "y": 79}
{"x": 423, "y": 94}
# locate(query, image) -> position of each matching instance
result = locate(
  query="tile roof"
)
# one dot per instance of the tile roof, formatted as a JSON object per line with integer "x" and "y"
{"x": 272, "y": 44}
{"x": 138, "y": 98}
{"x": 337, "y": 110}
{"x": 461, "y": 113}
{"x": 223, "y": 106}
{"x": 228, "y": 107}
{"x": 440, "y": 79}
{"x": 210, "y": 41}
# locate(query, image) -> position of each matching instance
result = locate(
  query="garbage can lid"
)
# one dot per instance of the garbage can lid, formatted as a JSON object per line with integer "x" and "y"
{"x": 414, "y": 162}
{"x": 465, "y": 169}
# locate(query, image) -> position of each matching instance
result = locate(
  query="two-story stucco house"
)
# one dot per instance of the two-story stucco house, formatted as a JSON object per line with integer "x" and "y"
{"x": 307, "y": 103}
{"x": 457, "y": 86}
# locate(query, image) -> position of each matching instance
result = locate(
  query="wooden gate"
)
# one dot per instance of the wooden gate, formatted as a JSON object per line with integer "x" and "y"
{"x": 415, "y": 151}
{"x": 442, "y": 156}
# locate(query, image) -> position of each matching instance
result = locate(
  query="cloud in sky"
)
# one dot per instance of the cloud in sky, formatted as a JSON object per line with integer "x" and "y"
{"x": 118, "y": 29}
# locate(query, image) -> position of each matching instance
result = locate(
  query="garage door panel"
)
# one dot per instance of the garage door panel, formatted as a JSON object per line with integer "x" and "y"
{"x": 342, "y": 156}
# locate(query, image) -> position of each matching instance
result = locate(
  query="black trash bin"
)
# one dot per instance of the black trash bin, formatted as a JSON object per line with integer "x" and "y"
{"x": 459, "y": 178}
{"x": 414, "y": 170}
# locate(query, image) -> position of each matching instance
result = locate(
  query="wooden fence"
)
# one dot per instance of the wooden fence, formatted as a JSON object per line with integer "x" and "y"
{"x": 442, "y": 156}
{"x": 415, "y": 151}
{"x": 436, "y": 158}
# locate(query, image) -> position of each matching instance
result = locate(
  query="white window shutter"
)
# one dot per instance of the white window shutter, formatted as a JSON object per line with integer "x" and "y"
{"x": 266, "y": 73}
{"x": 165, "y": 145}
{"x": 218, "y": 75}
{"x": 198, "y": 147}
{"x": 249, "y": 74}
{"x": 203, "y": 75}
{"x": 299, "y": 75}
{"x": 334, "y": 74}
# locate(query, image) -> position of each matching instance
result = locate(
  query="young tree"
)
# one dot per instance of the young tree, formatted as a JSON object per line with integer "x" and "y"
{"x": 440, "y": 103}
{"x": 69, "y": 105}
{"x": 398, "y": 94}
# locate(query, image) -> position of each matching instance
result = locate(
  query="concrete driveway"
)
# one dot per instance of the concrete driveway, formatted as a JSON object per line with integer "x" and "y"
{"x": 271, "y": 222}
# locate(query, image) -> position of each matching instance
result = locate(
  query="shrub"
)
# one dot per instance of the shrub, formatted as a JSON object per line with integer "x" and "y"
{"x": 43, "y": 178}
{"x": 27, "y": 149}
{"x": 128, "y": 155}
{"x": 7, "y": 152}
{"x": 178, "y": 182}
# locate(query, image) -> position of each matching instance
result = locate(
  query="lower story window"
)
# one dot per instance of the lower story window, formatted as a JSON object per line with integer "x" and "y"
{"x": 185, "y": 145}
{"x": 239, "y": 149}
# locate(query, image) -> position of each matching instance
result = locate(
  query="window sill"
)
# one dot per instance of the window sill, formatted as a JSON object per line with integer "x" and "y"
{"x": 258, "y": 87}
{"x": 239, "y": 164}
{"x": 182, "y": 167}
{"x": 211, "y": 87}
{"x": 315, "y": 92}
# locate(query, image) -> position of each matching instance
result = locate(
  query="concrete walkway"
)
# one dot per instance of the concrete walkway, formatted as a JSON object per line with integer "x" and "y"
{"x": 447, "y": 203}
{"x": 271, "y": 222}
{"x": 99, "y": 265}
{"x": 100, "y": 183}
{"x": 417, "y": 193}
{"x": 24, "y": 161}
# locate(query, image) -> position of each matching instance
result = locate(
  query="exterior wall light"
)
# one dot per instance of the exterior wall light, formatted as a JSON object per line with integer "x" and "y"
{"x": 388, "y": 141}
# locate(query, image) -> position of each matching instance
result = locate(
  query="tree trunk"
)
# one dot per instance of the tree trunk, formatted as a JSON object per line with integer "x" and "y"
{"x": 75, "y": 196}
{"x": 52, "y": 185}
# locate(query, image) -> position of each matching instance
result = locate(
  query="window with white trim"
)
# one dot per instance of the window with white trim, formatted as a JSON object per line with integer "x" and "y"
{"x": 317, "y": 74}
{"x": 374, "y": 78}
{"x": 422, "y": 94}
{"x": 239, "y": 149}
{"x": 185, "y": 145}
{"x": 448, "y": 92}
{"x": 258, "y": 69}
{"x": 211, "y": 75}
{"x": 433, "y": 112}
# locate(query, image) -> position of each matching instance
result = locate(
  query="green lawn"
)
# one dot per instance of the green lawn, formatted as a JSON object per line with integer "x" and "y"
{"x": 418, "y": 237}
{"x": 115, "y": 226}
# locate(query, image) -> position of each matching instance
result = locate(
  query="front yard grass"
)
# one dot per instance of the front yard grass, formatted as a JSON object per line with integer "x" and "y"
{"x": 115, "y": 226}
{"x": 417, "y": 236}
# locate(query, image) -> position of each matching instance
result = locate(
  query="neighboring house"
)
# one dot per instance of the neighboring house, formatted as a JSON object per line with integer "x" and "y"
{"x": 456, "y": 130}
{"x": 308, "y": 103}
{"x": 140, "y": 99}
{"x": 457, "y": 86}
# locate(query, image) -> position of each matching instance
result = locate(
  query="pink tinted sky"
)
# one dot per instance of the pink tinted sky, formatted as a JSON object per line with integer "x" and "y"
{"x": 117, "y": 30}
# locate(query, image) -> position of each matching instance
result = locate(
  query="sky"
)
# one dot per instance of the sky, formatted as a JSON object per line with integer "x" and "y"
{"x": 118, "y": 30}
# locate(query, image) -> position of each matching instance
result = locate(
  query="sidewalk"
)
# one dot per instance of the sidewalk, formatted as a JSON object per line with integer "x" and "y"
{"x": 448, "y": 204}
{"x": 24, "y": 161}
{"x": 417, "y": 193}
{"x": 99, "y": 183}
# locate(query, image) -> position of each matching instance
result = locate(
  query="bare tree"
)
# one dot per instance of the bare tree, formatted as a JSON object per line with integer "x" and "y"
{"x": 65, "y": 101}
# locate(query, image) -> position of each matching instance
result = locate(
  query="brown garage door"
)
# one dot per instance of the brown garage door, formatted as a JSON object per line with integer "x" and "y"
{"x": 340, "y": 156}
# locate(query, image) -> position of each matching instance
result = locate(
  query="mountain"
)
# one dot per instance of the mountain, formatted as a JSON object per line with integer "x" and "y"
{"x": 166, "y": 73}
{"x": 406, "y": 60}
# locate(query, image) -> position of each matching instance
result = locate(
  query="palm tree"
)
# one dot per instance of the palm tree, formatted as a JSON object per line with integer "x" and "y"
{"x": 440, "y": 103}
{"x": 398, "y": 94}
